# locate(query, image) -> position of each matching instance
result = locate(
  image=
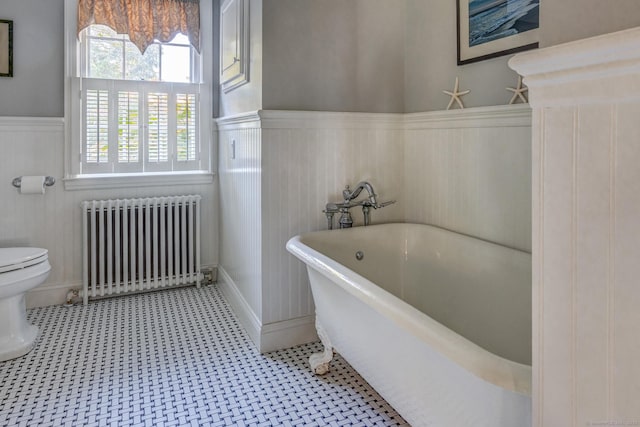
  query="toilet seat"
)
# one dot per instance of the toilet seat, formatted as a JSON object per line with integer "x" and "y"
{"x": 12, "y": 259}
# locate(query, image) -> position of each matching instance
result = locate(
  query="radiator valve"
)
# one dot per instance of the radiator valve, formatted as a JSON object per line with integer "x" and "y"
{"x": 71, "y": 296}
{"x": 208, "y": 276}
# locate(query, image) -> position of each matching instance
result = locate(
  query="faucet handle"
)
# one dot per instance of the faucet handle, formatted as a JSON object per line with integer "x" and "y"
{"x": 383, "y": 204}
{"x": 331, "y": 208}
{"x": 346, "y": 193}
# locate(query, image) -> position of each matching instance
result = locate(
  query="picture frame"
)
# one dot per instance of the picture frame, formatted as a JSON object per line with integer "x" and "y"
{"x": 6, "y": 48}
{"x": 492, "y": 28}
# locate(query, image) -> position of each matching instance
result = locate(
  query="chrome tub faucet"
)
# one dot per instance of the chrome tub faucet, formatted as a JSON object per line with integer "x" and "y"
{"x": 349, "y": 196}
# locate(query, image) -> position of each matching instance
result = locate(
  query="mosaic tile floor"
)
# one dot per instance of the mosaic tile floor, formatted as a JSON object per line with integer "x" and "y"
{"x": 173, "y": 358}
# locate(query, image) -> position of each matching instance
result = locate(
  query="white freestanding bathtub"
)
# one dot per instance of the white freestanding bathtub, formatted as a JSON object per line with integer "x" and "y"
{"x": 437, "y": 322}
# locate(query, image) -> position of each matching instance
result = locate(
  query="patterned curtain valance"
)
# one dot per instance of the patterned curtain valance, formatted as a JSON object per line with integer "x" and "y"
{"x": 144, "y": 20}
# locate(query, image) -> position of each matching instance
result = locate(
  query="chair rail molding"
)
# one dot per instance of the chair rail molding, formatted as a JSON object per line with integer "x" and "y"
{"x": 31, "y": 124}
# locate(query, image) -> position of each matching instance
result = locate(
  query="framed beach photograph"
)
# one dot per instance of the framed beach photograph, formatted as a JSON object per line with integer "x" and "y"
{"x": 492, "y": 28}
{"x": 6, "y": 48}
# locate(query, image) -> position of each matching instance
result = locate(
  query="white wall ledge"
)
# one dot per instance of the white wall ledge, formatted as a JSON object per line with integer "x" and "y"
{"x": 516, "y": 115}
{"x": 488, "y": 116}
{"x": 607, "y": 48}
{"x": 284, "y": 119}
{"x": 595, "y": 70}
{"x": 289, "y": 119}
{"x": 31, "y": 124}
{"x": 248, "y": 120}
{"x": 101, "y": 182}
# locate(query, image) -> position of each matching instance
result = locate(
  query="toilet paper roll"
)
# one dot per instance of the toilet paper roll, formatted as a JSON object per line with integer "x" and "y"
{"x": 32, "y": 185}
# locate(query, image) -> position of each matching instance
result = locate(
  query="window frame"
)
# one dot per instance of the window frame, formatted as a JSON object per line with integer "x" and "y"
{"x": 74, "y": 179}
{"x": 84, "y": 40}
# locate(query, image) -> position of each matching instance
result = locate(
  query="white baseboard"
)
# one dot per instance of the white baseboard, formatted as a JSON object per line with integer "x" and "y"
{"x": 246, "y": 316}
{"x": 56, "y": 293}
{"x": 288, "y": 333}
{"x": 271, "y": 336}
{"x": 49, "y": 294}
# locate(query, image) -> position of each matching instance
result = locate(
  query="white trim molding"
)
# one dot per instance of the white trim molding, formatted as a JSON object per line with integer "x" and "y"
{"x": 586, "y": 214}
{"x": 594, "y": 70}
{"x": 50, "y": 294}
{"x": 103, "y": 182}
{"x": 518, "y": 115}
{"x": 287, "y": 333}
{"x": 287, "y": 119}
{"x": 32, "y": 124}
{"x": 249, "y": 120}
{"x": 266, "y": 337}
{"x": 241, "y": 308}
{"x": 284, "y": 119}
{"x": 477, "y": 117}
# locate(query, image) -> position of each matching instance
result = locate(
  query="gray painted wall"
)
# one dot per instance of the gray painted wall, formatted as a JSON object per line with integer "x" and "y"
{"x": 334, "y": 55}
{"x": 568, "y": 20}
{"x": 431, "y": 62}
{"x": 354, "y": 55}
{"x": 36, "y": 88}
{"x": 342, "y": 55}
{"x": 248, "y": 97}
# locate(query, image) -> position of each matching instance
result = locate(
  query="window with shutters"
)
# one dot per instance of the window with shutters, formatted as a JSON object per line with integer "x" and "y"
{"x": 140, "y": 112}
{"x": 137, "y": 113}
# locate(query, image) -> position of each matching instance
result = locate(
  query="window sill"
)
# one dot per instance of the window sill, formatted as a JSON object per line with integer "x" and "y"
{"x": 135, "y": 180}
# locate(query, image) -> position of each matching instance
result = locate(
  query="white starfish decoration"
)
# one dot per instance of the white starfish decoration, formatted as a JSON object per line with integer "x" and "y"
{"x": 518, "y": 92}
{"x": 455, "y": 95}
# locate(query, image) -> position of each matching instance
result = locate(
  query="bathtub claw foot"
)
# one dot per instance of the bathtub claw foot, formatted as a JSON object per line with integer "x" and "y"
{"x": 320, "y": 369}
{"x": 320, "y": 361}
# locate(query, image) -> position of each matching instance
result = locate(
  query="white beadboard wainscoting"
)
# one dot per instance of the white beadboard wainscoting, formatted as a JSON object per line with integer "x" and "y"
{"x": 586, "y": 230}
{"x": 287, "y": 166}
{"x": 240, "y": 170}
{"x": 35, "y": 146}
{"x": 470, "y": 171}
{"x": 279, "y": 168}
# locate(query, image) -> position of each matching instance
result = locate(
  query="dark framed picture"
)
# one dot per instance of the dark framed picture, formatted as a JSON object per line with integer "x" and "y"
{"x": 6, "y": 48}
{"x": 492, "y": 28}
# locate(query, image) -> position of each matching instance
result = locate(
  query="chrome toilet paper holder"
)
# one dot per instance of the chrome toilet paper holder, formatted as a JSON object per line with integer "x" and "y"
{"x": 48, "y": 181}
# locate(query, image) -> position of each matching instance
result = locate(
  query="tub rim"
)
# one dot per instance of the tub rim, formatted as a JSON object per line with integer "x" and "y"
{"x": 492, "y": 368}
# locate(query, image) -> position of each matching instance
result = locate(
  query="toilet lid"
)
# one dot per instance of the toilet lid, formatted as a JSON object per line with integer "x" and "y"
{"x": 17, "y": 258}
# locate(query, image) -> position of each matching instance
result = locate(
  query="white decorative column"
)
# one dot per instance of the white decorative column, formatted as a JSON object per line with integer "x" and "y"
{"x": 585, "y": 97}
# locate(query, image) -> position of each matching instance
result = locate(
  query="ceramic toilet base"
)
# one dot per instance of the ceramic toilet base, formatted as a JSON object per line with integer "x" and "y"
{"x": 17, "y": 335}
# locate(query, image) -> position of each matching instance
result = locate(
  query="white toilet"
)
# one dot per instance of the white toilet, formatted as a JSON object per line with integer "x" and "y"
{"x": 21, "y": 269}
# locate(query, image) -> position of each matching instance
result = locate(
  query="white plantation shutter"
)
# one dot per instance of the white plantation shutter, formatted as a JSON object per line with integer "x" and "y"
{"x": 187, "y": 134}
{"x": 136, "y": 127}
{"x": 129, "y": 132}
{"x": 157, "y": 122}
{"x": 97, "y": 126}
{"x": 98, "y": 129}
{"x": 187, "y": 115}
